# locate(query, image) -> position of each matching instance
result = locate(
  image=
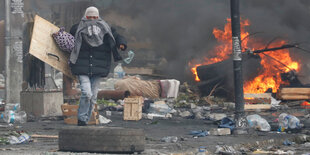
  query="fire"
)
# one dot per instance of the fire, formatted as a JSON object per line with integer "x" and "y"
{"x": 269, "y": 77}
{"x": 194, "y": 71}
{"x": 272, "y": 62}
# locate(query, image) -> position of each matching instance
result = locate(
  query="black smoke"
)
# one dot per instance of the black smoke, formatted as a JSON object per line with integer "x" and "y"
{"x": 181, "y": 30}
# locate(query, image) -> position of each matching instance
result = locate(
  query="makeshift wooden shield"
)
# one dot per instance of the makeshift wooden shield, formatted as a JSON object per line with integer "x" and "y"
{"x": 44, "y": 47}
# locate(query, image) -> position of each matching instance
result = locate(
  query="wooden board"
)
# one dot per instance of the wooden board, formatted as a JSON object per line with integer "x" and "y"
{"x": 43, "y": 46}
{"x": 261, "y": 95}
{"x": 138, "y": 70}
{"x": 293, "y": 94}
{"x": 294, "y": 97}
{"x": 256, "y": 106}
{"x": 294, "y": 91}
{"x": 44, "y": 136}
{"x": 258, "y": 98}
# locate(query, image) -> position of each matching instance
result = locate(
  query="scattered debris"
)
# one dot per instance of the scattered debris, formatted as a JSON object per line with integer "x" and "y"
{"x": 159, "y": 108}
{"x": 23, "y": 138}
{"x": 169, "y": 139}
{"x": 151, "y": 116}
{"x": 103, "y": 120}
{"x": 202, "y": 151}
{"x": 288, "y": 142}
{"x": 225, "y": 150}
{"x": 257, "y": 122}
{"x": 305, "y": 105}
{"x": 199, "y": 133}
{"x": 219, "y": 131}
{"x": 301, "y": 139}
{"x": 287, "y": 122}
{"x": 185, "y": 114}
{"x": 274, "y": 102}
{"x": 217, "y": 116}
{"x": 4, "y": 141}
{"x": 227, "y": 123}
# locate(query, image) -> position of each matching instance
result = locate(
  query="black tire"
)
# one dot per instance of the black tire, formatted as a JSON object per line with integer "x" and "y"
{"x": 101, "y": 139}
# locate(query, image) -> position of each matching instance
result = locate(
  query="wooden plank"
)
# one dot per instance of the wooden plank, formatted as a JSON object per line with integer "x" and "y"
{"x": 44, "y": 136}
{"x": 138, "y": 70}
{"x": 261, "y": 95}
{"x": 256, "y": 106}
{"x": 258, "y": 100}
{"x": 42, "y": 45}
{"x": 293, "y": 97}
{"x": 294, "y": 91}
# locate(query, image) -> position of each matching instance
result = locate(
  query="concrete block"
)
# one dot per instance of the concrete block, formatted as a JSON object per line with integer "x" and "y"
{"x": 42, "y": 103}
{"x": 219, "y": 131}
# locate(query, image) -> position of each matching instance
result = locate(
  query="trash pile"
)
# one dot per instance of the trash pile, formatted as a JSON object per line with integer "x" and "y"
{"x": 15, "y": 138}
{"x": 13, "y": 114}
{"x": 288, "y": 122}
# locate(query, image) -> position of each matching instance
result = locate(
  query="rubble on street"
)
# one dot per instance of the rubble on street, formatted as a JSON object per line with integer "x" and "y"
{"x": 173, "y": 77}
{"x": 174, "y": 129}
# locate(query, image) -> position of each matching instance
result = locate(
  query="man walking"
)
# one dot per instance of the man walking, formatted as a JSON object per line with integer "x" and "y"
{"x": 90, "y": 60}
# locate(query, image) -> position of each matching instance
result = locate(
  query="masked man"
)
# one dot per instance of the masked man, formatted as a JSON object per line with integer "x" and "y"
{"x": 90, "y": 60}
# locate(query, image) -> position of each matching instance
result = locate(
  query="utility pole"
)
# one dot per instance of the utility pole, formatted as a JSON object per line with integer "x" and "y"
{"x": 14, "y": 18}
{"x": 7, "y": 48}
{"x": 240, "y": 119}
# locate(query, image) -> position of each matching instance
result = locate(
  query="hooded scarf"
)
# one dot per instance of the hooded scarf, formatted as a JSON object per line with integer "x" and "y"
{"x": 93, "y": 32}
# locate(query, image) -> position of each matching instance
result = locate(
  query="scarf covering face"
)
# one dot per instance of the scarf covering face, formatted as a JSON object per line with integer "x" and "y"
{"x": 93, "y": 32}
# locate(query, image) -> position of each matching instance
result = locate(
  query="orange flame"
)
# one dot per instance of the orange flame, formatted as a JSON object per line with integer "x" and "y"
{"x": 269, "y": 77}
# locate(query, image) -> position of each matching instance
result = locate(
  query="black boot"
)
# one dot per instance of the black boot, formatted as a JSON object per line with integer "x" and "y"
{"x": 81, "y": 123}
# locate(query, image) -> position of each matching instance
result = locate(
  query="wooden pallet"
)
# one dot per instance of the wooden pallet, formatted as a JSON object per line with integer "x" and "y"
{"x": 293, "y": 93}
{"x": 133, "y": 108}
{"x": 257, "y": 101}
{"x": 70, "y": 112}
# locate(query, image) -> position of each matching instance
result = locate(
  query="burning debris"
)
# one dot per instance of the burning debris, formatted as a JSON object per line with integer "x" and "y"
{"x": 266, "y": 68}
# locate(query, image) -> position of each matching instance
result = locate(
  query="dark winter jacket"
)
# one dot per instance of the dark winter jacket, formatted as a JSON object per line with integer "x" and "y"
{"x": 97, "y": 60}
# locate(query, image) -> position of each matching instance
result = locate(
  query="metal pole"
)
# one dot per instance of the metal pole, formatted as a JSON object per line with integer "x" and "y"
{"x": 7, "y": 49}
{"x": 237, "y": 61}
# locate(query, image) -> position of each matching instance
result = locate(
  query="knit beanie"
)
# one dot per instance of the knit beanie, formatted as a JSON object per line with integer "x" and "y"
{"x": 92, "y": 11}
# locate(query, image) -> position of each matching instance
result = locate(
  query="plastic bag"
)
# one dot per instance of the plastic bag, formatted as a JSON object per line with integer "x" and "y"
{"x": 159, "y": 109}
{"x": 288, "y": 122}
{"x": 131, "y": 54}
{"x": 258, "y": 122}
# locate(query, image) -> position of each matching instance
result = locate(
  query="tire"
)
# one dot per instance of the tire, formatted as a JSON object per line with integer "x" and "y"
{"x": 101, "y": 139}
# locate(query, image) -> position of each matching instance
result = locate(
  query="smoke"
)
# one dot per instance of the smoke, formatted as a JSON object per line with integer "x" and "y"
{"x": 181, "y": 30}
